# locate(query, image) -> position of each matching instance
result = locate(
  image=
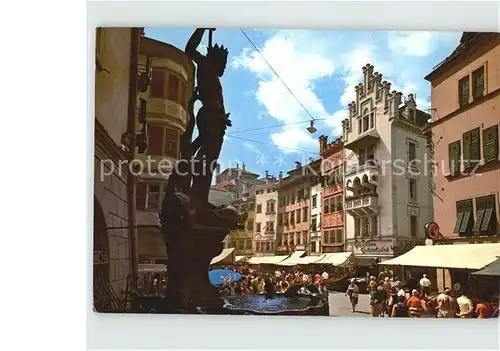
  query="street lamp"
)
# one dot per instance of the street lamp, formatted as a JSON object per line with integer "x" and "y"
{"x": 311, "y": 129}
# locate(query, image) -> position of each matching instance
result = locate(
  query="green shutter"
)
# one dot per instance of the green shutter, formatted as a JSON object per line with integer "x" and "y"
{"x": 454, "y": 149}
{"x": 458, "y": 223}
{"x": 463, "y": 85}
{"x": 475, "y": 146}
{"x": 478, "y": 82}
{"x": 465, "y": 222}
{"x": 487, "y": 219}
{"x": 479, "y": 219}
{"x": 490, "y": 144}
{"x": 466, "y": 142}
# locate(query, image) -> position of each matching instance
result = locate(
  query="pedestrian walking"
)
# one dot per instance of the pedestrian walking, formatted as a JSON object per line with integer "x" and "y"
{"x": 376, "y": 301}
{"x": 353, "y": 293}
{"x": 465, "y": 306}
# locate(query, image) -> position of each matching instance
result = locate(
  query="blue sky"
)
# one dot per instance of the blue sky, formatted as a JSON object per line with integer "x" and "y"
{"x": 321, "y": 68}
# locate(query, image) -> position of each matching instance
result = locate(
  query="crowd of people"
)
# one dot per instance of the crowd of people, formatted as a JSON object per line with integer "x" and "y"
{"x": 389, "y": 296}
{"x": 278, "y": 282}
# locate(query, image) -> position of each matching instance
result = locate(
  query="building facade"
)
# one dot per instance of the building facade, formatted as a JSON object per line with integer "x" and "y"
{"x": 387, "y": 185}
{"x": 115, "y": 257}
{"x": 242, "y": 239}
{"x": 465, "y": 127}
{"x": 293, "y": 211}
{"x": 332, "y": 195}
{"x": 266, "y": 217}
{"x": 315, "y": 193}
{"x": 239, "y": 181}
{"x": 162, "y": 116}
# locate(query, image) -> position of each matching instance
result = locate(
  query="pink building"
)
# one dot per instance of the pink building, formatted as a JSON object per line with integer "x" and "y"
{"x": 465, "y": 123}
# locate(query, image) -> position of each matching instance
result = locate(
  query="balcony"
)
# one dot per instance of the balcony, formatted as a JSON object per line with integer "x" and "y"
{"x": 362, "y": 178}
{"x": 362, "y": 205}
{"x": 364, "y": 140}
{"x": 166, "y": 112}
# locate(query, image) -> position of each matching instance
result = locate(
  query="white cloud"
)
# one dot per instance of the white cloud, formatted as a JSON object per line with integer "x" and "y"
{"x": 251, "y": 147}
{"x": 302, "y": 57}
{"x": 418, "y": 43}
{"x": 298, "y": 68}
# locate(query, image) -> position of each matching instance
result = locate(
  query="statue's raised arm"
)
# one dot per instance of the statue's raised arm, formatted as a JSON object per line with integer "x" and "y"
{"x": 194, "y": 42}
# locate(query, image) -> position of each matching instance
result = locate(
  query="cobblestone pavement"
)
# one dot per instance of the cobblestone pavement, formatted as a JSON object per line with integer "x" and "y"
{"x": 339, "y": 305}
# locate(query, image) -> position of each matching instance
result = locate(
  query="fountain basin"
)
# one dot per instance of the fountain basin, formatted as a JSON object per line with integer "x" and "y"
{"x": 276, "y": 305}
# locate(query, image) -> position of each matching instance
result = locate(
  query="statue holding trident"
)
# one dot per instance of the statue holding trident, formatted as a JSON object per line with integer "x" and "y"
{"x": 212, "y": 119}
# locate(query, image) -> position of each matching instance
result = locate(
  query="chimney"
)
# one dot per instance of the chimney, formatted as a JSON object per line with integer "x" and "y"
{"x": 280, "y": 175}
{"x": 298, "y": 165}
{"x": 323, "y": 142}
{"x": 267, "y": 174}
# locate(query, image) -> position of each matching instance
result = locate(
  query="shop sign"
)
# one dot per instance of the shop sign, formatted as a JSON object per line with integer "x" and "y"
{"x": 372, "y": 247}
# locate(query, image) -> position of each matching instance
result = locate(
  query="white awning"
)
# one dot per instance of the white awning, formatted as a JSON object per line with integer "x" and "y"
{"x": 293, "y": 260}
{"x": 460, "y": 256}
{"x": 334, "y": 258}
{"x": 266, "y": 259}
{"x": 240, "y": 259}
{"x": 226, "y": 256}
{"x": 310, "y": 259}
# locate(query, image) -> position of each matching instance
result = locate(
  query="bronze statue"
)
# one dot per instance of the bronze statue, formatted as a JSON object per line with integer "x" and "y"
{"x": 212, "y": 118}
{"x": 193, "y": 228}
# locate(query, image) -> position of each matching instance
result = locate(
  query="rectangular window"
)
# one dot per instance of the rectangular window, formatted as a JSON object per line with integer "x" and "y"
{"x": 268, "y": 247}
{"x": 464, "y": 216}
{"x": 374, "y": 231}
{"x": 366, "y": 226}
{"x": 173, "y": 88}
{"x": 280, "y": 219}
{"x": 339, "y": 203}
{"x": 157, "y": 89}
{"x": 259, "y": 209}
{"x": 331, "y": 236}
{"x": 314, "y": 201}
{"x": 153, "y": 196}
{"x": 182, "y": 94}
{"x": 471, "y": 149}
{"x": 490, "y": 144}
{"x": 250, "y": 225}
{"x": 413, "y": 226}
{"x": 241, "y": 244}
{"x": 412, "y": 152}
{"x": 305, "y": 212}
{"x": 298, "y": 216}
{"x": 248, "y": 245}
{"x": 325, "y": 236}
{"x": 258, "y": 227}
{"x": 463, "y": 91}
{"x": 171, "y": 142}
{"x": 292, "y": 217}
{"x": 454, "y": 150}
{"x": 478, "y": 83}
{"x": 155, "y": 139}
{"x": 333, "y": 204}
{"x": 357, "y": 226}
{"x": 313, "y": 223}
{"x": 340, "y": 237}
{"x": 365, "y": 123}
{"x": 413, "y": 189}
{"x": 270, "y": 227}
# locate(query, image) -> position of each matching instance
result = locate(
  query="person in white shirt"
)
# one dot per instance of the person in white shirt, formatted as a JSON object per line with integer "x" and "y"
{"x": 465, "y": 306}
{"x": 277, "y": 273}
{"x": 425, "y": 284}
{"x": 324, "y": 276}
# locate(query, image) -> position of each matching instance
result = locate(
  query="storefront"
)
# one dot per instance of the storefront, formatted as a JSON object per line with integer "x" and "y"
{"x": 452, "y": 263}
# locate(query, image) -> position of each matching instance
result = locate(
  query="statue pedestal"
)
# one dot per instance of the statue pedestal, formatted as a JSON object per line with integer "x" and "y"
{"x": 189, "y": 256}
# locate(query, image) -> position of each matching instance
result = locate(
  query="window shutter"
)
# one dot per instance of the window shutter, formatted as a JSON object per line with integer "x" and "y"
{"x": 490, "y": 144}
{"x": 487, "y": 219}
{"x": 454, "y": 157}
{"x": 339, "y": 236}
{"x": 479, "y": 219}
{"x": 478, "y": 77}
{"x": 140, "y": 196}
{"x": 465, "y": 222}
{"x": 463, "y": 86}
{"x": 466, "y": 138}
{"x": 475, "y": 147}
{"x": 458, "y": 223}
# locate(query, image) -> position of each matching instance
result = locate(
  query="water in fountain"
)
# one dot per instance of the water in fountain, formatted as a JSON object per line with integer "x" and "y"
{"x": 263, "y": 304}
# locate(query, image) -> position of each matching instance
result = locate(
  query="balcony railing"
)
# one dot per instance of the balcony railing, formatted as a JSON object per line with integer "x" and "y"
{"x": 360, "y": 201}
